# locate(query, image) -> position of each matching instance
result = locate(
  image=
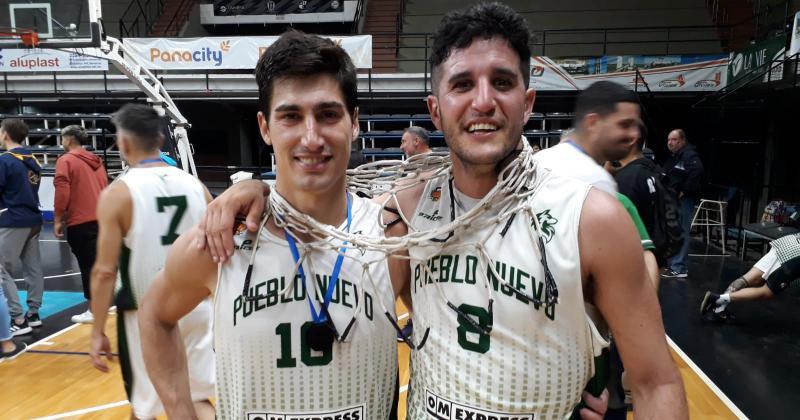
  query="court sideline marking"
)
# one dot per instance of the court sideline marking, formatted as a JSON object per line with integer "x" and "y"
{"x": 47, "y": 340}
{"x": 84, "y": 411}
{"x": 55, "y": 276}
{"x": 711, "y": 385}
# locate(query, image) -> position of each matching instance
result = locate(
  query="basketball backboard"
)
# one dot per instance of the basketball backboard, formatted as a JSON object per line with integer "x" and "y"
{"x": 57, "y": 23}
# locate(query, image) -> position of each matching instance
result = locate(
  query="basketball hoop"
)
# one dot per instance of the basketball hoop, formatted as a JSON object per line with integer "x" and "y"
{"x": 29, "y": 37}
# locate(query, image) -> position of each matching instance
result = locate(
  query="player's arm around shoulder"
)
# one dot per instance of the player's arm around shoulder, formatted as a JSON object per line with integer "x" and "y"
{"x": 403, "y": 204}
{"x": 188, "y": 277}
{"x": 616, "y": 282}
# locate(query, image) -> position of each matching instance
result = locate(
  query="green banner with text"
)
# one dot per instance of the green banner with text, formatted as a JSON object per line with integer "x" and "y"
{"x": 755, "y": 59}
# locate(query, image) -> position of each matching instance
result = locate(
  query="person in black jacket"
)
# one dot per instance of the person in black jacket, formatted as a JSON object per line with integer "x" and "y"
{"x": 636, "y": 180}
{"x": 684, "y": 173}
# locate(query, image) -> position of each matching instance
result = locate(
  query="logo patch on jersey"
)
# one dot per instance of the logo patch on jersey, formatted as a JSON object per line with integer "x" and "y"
{"x": 444, "y": 409}
{"x": 547, "y": 222}
{"x": 239, "y": 226}
{"x": 350, "y": 413}
{"x": 434, "y": 217}
{"x": 436, "y": 194}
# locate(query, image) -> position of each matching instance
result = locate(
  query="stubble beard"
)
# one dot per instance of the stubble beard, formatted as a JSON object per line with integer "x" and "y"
{"x": 469, "y": 162}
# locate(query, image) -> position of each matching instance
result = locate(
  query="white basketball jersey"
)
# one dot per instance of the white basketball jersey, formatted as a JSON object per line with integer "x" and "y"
{"x": 166, "y": 202}
{"x": 265, "y": 367}
{"x": 535, "y": 362}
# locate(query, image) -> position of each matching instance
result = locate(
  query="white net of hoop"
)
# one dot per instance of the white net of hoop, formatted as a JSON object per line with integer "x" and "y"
{"x": 517, "y": 181}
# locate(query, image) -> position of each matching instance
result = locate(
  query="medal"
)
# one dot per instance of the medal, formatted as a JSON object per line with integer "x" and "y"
{"x": 320, "y": 336}
{"x": 322, "y": 332}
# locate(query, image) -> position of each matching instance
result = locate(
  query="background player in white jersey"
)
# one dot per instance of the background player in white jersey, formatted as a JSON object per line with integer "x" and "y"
{"x": 272, "y": 357}
{"x": 481, "y": 102}
{"x": 139, "y": 216}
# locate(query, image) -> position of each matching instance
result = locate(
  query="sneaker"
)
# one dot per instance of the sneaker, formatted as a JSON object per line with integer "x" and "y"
{"x": 20, "y": 329}
{"x": 21, "y": 348}
{"x": 672, "y": 274}
{"x": 709, "y": 303}
{"x": 33, "y": 319}
{"x": 84, "y": 318}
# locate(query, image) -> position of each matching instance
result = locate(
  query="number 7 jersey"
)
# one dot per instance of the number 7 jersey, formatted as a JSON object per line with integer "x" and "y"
{"x": 166, "y": 202}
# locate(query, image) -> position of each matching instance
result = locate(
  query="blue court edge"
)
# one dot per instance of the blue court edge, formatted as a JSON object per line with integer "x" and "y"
{"x": 54, "y": 302}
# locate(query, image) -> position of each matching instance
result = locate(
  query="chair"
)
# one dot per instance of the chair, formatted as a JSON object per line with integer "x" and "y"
{"x": 711, "y": 213}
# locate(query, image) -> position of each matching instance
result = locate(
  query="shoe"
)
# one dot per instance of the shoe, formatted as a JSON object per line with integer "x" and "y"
{"x": 406, "y": 331}
{"x": 83, "y": 318}
{"x": 21, "y": 348}
{"x": 33, "y": 319}
{"x": 111, "y": 310}
{"x": 672, "y": 274}
{"x": 20, "y": 329}
{"x": 709, "y": 303}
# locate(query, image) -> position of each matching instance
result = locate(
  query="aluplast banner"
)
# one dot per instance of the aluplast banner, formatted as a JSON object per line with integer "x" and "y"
{"x": 37, "y": 59}
{"x": 661, "y": 74}
{"x": 225, "y": 53}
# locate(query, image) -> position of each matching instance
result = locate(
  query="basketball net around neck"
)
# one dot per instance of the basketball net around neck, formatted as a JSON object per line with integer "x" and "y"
{"x": 509, "y": 198}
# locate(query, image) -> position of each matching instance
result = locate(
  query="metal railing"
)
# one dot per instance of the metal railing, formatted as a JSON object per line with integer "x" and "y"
{"x": 357, "y": 18}
{"x": 179, "y": 18}
{"x": 139, "y": 17}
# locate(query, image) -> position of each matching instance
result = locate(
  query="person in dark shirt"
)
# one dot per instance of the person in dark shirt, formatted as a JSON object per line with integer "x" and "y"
{"x": 636, "y": 180}
{"x": 20, "y": 224}
{"x": 684, "y": 173}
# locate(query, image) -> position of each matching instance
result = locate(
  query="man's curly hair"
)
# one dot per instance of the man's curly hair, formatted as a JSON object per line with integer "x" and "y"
{"x": 459, "y": 28}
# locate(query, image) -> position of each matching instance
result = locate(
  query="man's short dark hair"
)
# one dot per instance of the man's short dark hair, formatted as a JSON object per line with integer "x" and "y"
{"x": 296, "y": 54}
{"x": 459, "y": 28}
{"x": 143, "y": 122}
{"x": 420, "y": 132}
{"x": 15, "y": 128}
{"x": 601, "y": 98}
{"x": 76, "y": 132}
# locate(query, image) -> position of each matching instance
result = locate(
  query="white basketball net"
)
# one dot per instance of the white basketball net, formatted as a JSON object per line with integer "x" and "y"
{"x": 509, "y": 198}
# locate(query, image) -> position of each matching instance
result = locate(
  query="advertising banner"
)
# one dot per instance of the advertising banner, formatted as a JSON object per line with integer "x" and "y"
{"x": 755, "y": 58}
{"x": 36, "y": 59}
{"x": 794, "y": 48}
{"x": 699, "y": 76}
{"x": 276, "y": 7}
{"x": 219, "y": 53}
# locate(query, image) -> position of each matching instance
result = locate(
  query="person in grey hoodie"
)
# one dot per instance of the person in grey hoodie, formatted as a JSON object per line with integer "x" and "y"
{"x": 80, "y": 176}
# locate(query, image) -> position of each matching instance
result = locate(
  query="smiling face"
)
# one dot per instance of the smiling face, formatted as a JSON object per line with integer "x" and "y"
{"x": 481, "y": 103}
{"x": 310, "y": 131}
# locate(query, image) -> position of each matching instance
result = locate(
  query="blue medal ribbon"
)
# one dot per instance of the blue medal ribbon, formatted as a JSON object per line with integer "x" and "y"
{"x": 146, "y": 161}
{"x": 320, "y": 317}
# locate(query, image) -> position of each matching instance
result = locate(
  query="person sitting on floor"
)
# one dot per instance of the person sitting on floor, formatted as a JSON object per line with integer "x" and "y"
{"x": 772, "y": 274}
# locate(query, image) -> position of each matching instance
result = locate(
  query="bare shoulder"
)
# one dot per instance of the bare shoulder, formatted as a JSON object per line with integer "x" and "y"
{"x": 114, "y": 201}
{"x": 187, "y": 263}
{"x": 600, "y": 207}
{"x": 114, "y": 193}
